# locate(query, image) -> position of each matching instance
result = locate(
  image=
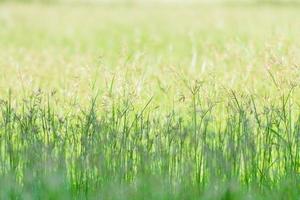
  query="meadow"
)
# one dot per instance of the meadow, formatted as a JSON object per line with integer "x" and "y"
{"x": 149, "y": 101}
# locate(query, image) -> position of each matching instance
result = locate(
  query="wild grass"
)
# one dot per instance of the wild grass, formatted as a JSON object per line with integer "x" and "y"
{"x": 141, "y": 102}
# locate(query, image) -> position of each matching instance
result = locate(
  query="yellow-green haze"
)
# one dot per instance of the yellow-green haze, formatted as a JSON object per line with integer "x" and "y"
{"x": 149, "y": 101}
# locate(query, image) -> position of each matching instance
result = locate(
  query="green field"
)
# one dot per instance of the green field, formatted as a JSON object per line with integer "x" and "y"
{"x": 157, "y": 101}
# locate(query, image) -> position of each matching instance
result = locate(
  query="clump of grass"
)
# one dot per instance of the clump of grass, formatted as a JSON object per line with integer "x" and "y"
{"x": 123, "y": 103}
{"x": 140, "y": 152}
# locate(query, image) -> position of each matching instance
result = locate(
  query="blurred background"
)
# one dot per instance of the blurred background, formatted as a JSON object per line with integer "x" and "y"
{"x": 66, "y": 44}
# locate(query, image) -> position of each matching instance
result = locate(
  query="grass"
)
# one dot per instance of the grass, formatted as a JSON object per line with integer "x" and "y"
{"x": 149, "y": 101}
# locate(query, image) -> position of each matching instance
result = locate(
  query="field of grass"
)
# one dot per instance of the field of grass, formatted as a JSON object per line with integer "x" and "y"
{"x": 149, "y": 101}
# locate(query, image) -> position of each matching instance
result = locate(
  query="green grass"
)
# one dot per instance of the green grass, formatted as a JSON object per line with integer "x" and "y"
{"x": 149, "y": 101}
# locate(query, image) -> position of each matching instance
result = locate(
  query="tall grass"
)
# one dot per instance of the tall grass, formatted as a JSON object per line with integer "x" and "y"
{"x": 79, "y": 154}
{"x": 124, "y": 103}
